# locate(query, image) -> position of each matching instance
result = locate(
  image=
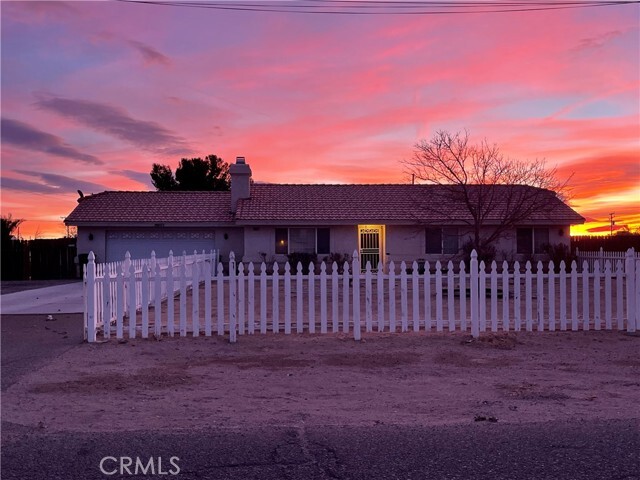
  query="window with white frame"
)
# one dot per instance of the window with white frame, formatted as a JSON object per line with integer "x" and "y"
{"x": 531, "y": 240}
{"x": 441, "y": 240}
{"x": 302, "y": 240}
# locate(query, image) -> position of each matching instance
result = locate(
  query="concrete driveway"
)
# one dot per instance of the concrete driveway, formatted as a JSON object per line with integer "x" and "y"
{"x": 51, "y": 300}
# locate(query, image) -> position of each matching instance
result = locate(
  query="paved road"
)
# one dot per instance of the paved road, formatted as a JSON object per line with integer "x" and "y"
{"x": 578, "y": 451}
{"x": 65, "y": 298}
{"x": 30, "y": 341}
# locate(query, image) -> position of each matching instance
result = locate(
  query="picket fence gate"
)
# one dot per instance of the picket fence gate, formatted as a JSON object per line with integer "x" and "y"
{"x": 351, "y": 299}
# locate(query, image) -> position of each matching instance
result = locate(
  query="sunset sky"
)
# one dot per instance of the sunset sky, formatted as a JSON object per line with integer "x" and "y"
{"x": 93, "y": 93}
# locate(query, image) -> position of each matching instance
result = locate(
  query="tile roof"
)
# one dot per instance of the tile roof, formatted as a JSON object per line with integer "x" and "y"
{"x": 310, "y": 204}
{"x": 391, "y": 203}
{"x": 153, "y": 207}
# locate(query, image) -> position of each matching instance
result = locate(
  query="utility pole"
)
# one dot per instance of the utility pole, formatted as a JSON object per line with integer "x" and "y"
{"x": 612, "y": 222}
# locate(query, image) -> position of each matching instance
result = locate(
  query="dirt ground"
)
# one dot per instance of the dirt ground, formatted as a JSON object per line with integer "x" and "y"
{"x": 403, "y": 378}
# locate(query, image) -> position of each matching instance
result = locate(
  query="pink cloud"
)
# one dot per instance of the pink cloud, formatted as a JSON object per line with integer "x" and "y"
{"x": 310, "y": 98}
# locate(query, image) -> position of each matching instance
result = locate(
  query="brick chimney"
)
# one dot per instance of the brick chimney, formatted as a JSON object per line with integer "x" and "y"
{"x": 240, "y": 181}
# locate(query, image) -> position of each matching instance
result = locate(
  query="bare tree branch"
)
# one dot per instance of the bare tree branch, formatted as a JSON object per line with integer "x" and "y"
{"x": 498, "y": 193}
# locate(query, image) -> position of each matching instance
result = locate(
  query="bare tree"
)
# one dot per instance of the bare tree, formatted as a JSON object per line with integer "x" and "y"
{"x": 495, "y": 192}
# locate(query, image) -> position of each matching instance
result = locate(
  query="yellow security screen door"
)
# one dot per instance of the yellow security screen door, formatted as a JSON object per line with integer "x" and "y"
{"x": 371, "y": 239}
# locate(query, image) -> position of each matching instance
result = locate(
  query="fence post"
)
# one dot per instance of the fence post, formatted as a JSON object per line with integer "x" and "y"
{"x": 517, "y": 288}
{"x": 438, "y": 296}
{"x": 415, "y": 296}
{"x": 183, "y": 295}
{"x": 608, "y": 295}
{"x": 312, "y": 298}
{"x": 380, "y": 297}
{"x": 528, "y": 297}
{"x": 427, "y": 297}
{"x": 596, "y": 295}
{"x": 619, "y": 295}
{"x": 462, "y": 281}
{"x": 287, "y": 298}
{"x": 323, "y": 298}
{"x": 125, "y": 268}
{"x": 263, "y": 298}
{"x": 131, "y": 282}
{"x": 275, "y": 297}
{"x": 563, "y": 296}
{"x": 404, "y": 315}
{"x": 152, "y": 271}
{"x": 345, "y": 298}
{"x": 145, "y": 300}
{"x": 220, "y": 299}
{"x": 552, "y": 297}
{"x": 195, "y": 296}
{"x": 494, "y": 296}
{"x": 157, "y": 308}
{"x": 586, "y": 298}
{"x": 335, "y": 286}
{"x": 356, "y": 296}
{"x": 473, "y": 281}
{"x": 299, "y": 322}
{"x": 241, "y": 300}
{"x": 233, "y": 303}
{"x": 91, "y": 298}
{"x": 106, "y": 301}
{"x": 251, "y": 284}
{"x": 630, "y": 273}
{"x": 392, "y": 296}
{"x": 170, "y": 296}
{"x": 450, "y": 297}
{"x": 540, "y": 295}
{"x": 505, "y": 296}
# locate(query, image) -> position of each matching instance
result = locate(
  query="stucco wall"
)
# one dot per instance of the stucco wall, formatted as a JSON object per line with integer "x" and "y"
{"x": 404, "y": 243}
{"x": 259, "y": 245}
{"x": 344, "y": 239}
{"x": 233, "y": 243}
{"x": 401, "y": 242}
{"x": 97, "y": 245}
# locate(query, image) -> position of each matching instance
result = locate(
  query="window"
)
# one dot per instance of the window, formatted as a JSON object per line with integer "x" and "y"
{"x": 540, "y": 239}
{"x": 302, "y": 240}
{"x": 441, "y": 240}
{"x": 531, "y": 240}
{"x": 434, "y": 240}
{"x": 323, "y": 243}
{"x": 282, "y": 240}
{"x": 450, "y": 241}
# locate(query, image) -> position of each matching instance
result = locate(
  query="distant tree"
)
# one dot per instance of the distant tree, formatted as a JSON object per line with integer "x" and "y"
{"x": 8, "y": 226}
{"x": 210, "y": 173}
{"x": 467, "y": 174}
{"x": 162, "y": 178}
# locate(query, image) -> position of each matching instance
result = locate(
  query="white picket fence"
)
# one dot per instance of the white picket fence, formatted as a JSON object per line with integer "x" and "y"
{"x": 114, "y": 282}
{"x": 246, "y": 301}
{"x": 602, "y": 257}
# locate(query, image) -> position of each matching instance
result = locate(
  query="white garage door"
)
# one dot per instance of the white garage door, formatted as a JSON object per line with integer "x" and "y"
{"x": 139, "y": 243}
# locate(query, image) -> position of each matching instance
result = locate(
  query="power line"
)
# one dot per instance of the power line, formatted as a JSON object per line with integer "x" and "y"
{"x": 380, "y": 7}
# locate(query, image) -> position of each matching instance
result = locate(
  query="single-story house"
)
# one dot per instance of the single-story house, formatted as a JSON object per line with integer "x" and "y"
{"x": 266, "y": 222}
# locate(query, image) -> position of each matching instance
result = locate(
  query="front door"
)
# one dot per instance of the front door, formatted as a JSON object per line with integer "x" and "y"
{"x": 370, "y": 241}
